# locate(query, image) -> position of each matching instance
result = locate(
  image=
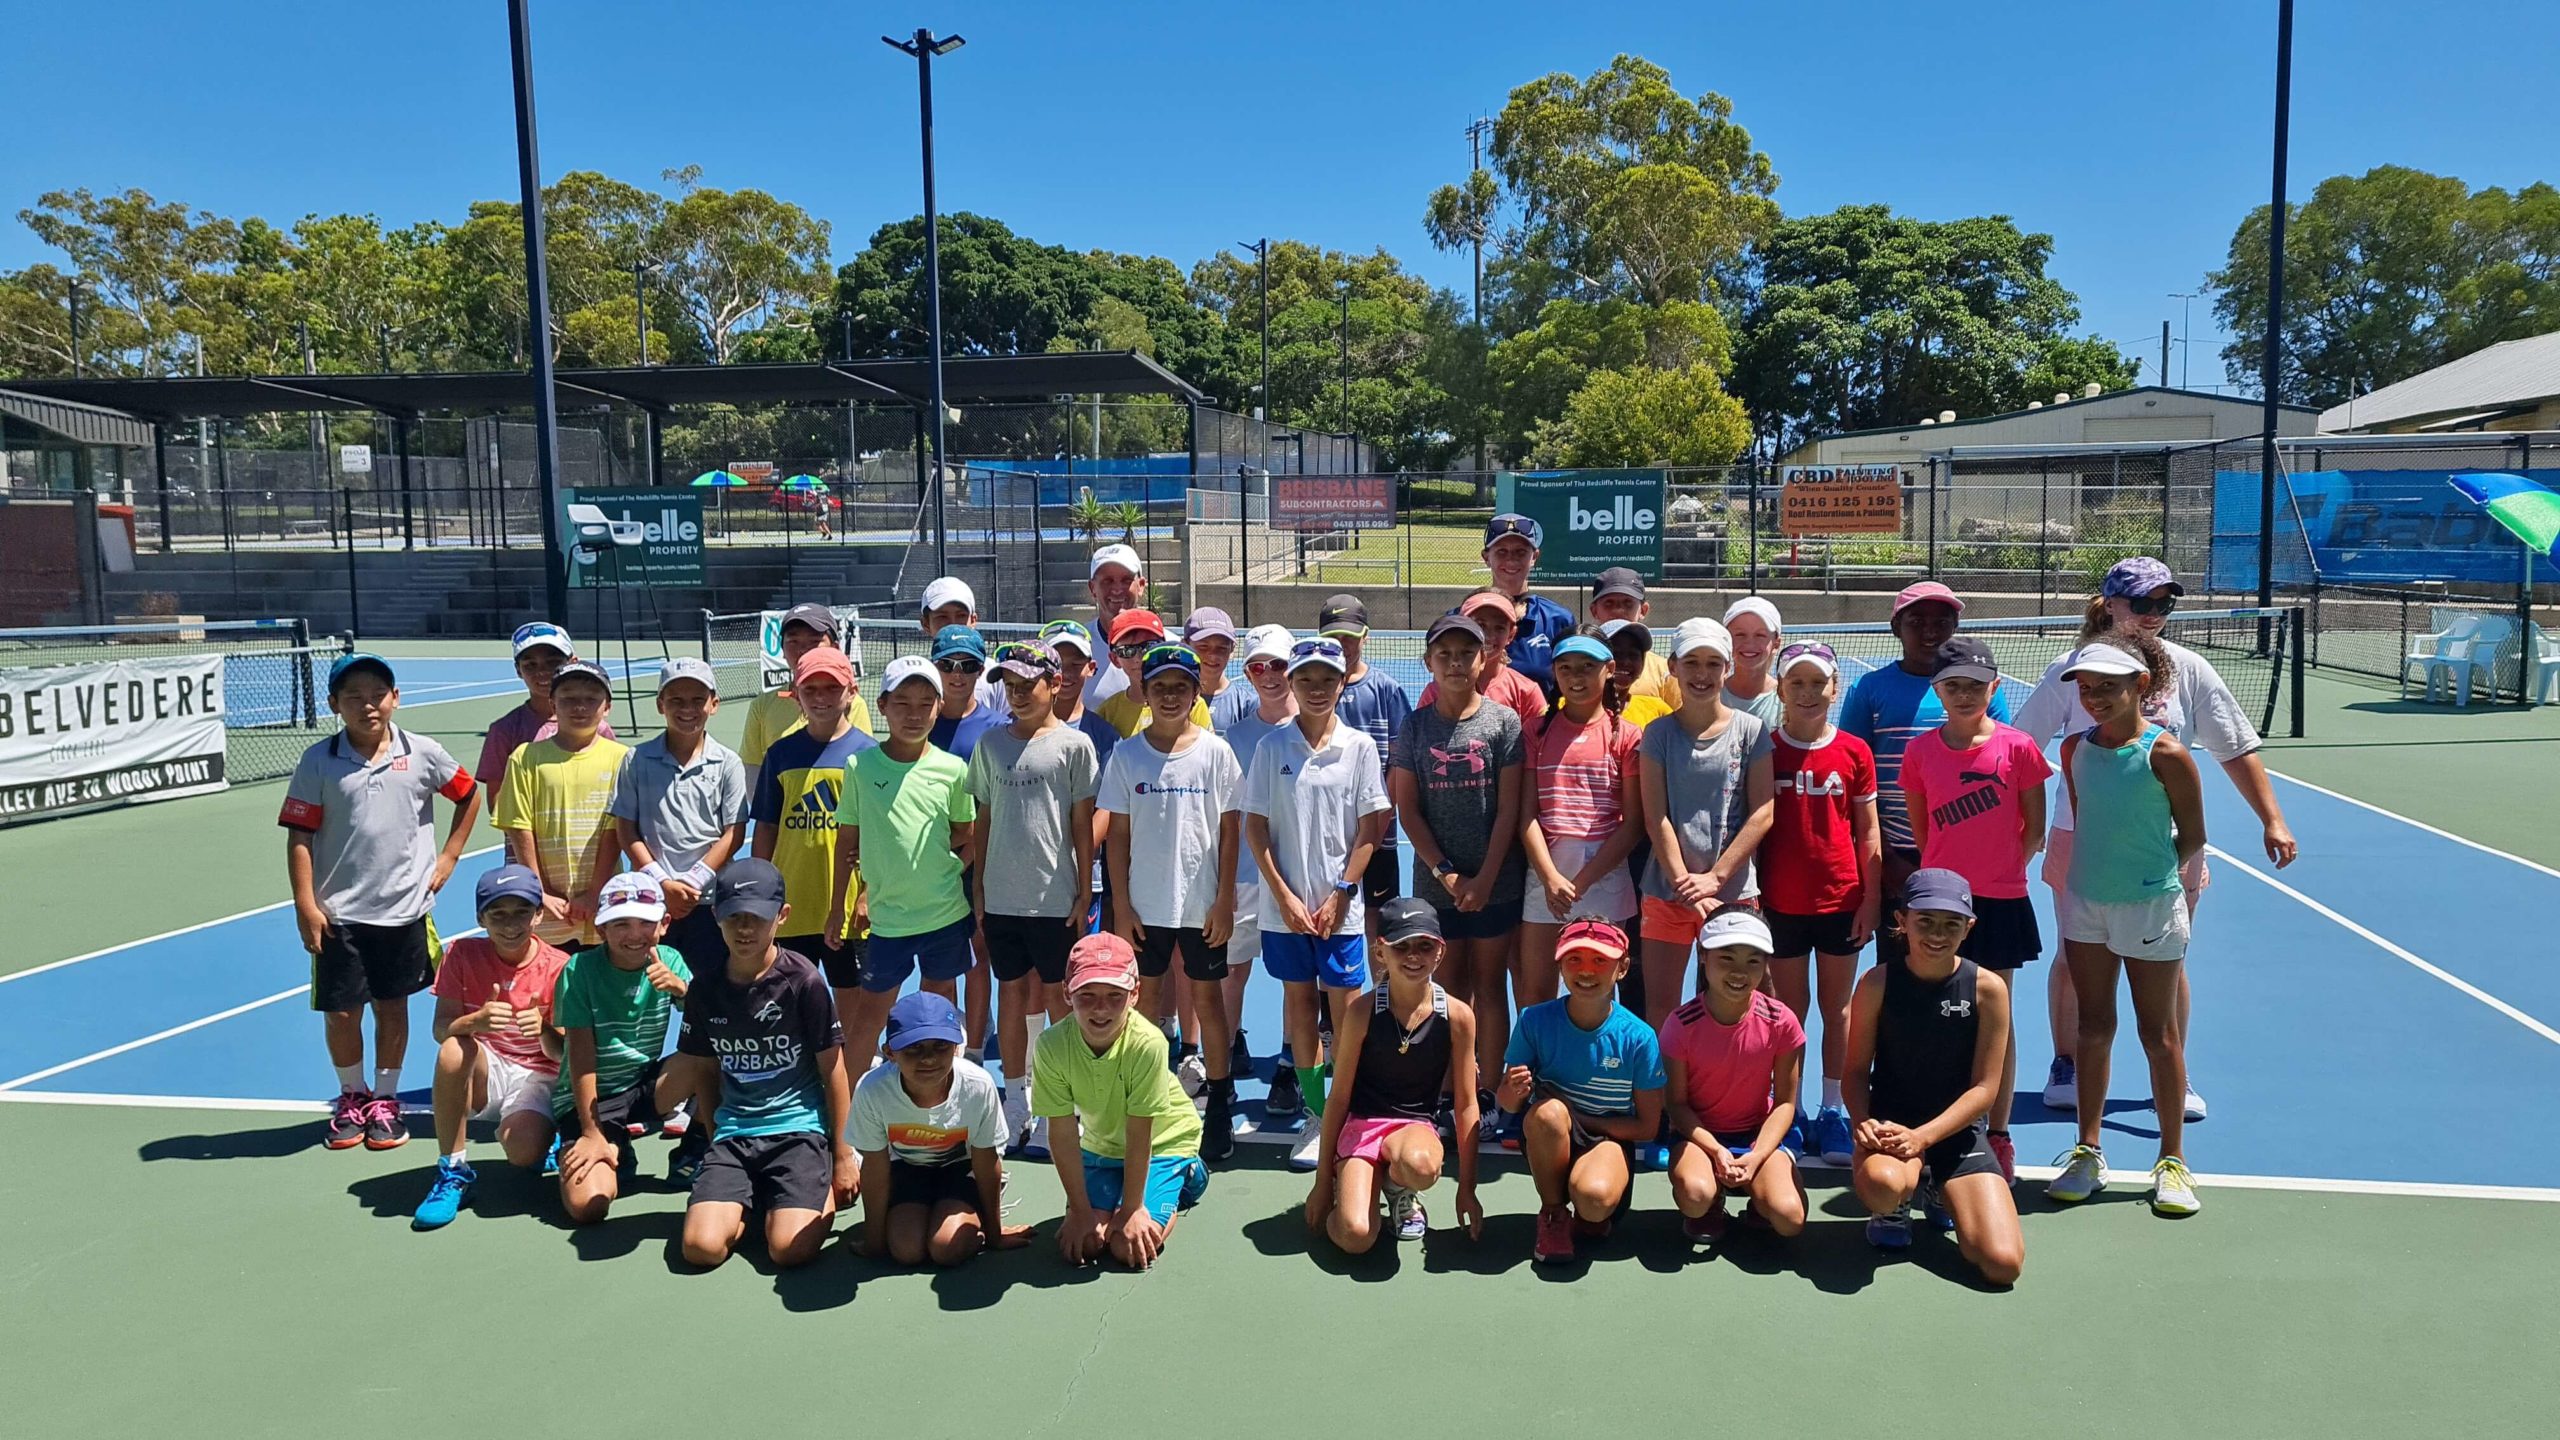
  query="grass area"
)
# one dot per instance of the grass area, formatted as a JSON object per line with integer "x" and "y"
{"x": 2258, "y": 1319}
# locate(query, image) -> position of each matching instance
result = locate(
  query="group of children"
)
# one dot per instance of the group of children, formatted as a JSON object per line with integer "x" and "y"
{"x": 1582, "y": 846}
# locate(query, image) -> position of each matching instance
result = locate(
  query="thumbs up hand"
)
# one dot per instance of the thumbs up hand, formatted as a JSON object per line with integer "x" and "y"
{"x": 497, "y": 1015}
{"x": 665, "y": 979}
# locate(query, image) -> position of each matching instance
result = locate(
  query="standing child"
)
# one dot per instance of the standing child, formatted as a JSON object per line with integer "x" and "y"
{"x": 1375, "y": 705}
{"x": 1033, "y": 784}
{"x": 1170, "y": 799}
{"x": 556, "y": 804}
{"x": 776, "y": 712}
{"x": 930, "y": 1132}
{"x": 613, "y": 1009}
{"x": 1584, "y": 821}
{"x": 1588, "y": 1075}
{"x": 497, "y": 1057}
{"x": 967, "y": 711}
{"x": 1242, "y": 716}
{"x": 1753, "y": 686}
{"x": 1132, "y": 634}
{"x": 797, "y": 791}
{"x": 2140, "y": 807}
{"x": 1125, "y": 1139}
{"x": 541, "y": 648}
{"x": 1315, "y": 805}
{"x": 903, "y": 824}
{"x": 680, "y": 806}
{"x": 1708, "y": 784}
{"x": 1976, "y": 791}
{"x": 1497, "y": 618}
{"x": 1406, "y": 1046}
{"x": 1925, "y": 1036}
{"x": 769, "y": 1057}
{"x": 1456, "y": 774}
{"x": 1822, "y": 871}
{"x": 1734, "y": 1058}
{"x": 361, "y": 858}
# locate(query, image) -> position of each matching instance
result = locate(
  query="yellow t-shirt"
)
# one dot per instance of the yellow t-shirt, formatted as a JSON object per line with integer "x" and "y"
{"x": 1643, "y": 710}
{"x": 1129, "y": 714}
{"x": 561, "y": 797}
{"x": 773, "y": 714}
{"x": 1656, "y": 679}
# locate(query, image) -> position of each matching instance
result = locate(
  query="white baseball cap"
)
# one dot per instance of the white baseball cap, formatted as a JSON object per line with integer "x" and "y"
{"x": 535, "y": 633}
{"x": 1701, "y": 633}
{"x": 1270, "y": 642}
{"x": 1754, "y": 605}
{"x": 631, "y": 896}
{"x": 906, "y": 668}
{"x": 947, "y": 590}
{"x": 1730, "y": 926}
{"x": 687, "y": 667}
{"x": 2103, "y": 660}
{"x": 1120, "y": 555}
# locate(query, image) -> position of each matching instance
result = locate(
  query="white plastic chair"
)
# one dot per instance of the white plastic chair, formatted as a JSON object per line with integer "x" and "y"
{"x": 2474, "y": 654}
{"x": 2428, "y": 651}
{"x": 2546, "y": 666}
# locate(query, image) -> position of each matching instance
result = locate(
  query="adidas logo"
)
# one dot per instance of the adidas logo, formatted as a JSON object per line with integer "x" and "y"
{"x": 815, "y": 809}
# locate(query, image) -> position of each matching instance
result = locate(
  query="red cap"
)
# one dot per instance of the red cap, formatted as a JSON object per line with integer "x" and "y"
{"x": 1103, "y": 959}
{"x": 824, "y": 660}
{"x": 1132, "y": 622}
{"x": 1598, "y": 936}
{"x": 1926, "y": 590}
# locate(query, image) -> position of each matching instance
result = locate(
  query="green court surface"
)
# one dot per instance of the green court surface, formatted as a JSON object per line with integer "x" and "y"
{"x": 213, "y": 1271}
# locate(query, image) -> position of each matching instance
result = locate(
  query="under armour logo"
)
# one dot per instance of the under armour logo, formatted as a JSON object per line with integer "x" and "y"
{"x": 1958, "y": 1008}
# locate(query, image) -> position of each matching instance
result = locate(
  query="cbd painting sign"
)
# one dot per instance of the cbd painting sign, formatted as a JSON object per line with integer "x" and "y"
{"x": 1840, "y": 500}
{"x": 669, "y": 523}
{"x": 1592, "y": 519}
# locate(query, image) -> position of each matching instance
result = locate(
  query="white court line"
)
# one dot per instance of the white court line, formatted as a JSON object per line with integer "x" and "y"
{"x": 2429, "y": 967}
{"x": 112, "y": 1051}
{"x": 190, "y": 930}
{"x": 2421, "y": 824}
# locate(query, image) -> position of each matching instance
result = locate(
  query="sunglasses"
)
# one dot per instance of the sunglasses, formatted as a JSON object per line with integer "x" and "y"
{"x": 1264, "y": 667}
{"x": 1025, "y": 654}
{"x": 1132, "y": 649}
{"x": 2151, "y": 604}
{"x": 959, "y": 665}
{"x": 1171, "y": 655}
{"x": 1810, "y": 647}
{"x": 1323, "y": 649}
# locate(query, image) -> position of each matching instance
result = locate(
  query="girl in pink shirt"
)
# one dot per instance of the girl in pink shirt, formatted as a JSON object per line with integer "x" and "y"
{"x": 1734, "y": 1057}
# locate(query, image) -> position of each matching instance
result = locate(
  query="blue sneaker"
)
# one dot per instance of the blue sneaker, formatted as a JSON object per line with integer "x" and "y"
{"x": 1889, "y": 1232}
{"x": 1652, "y": 1157}
{"x": 1933, "y": 1207}
{"x": 683, "y": 1164}
{"x": 1831, "y": 1138}
{"x": 551, "y": 1158}
{"x": 444, "y": 1198}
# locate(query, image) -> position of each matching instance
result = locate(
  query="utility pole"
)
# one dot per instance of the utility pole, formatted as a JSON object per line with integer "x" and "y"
{"x": 2186, "y": 333}
{"x": 1262, "y": 280}
{"x": 2164, "y": 354}
{"x": 924, "y": 46}
{"x": 1477, "y": 129}
{"x": 537, "y": 293}
{"x": 2269, "y": 366}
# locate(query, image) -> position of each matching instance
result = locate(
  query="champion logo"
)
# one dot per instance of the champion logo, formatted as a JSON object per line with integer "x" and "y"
{"x": 1955, "y": 1008}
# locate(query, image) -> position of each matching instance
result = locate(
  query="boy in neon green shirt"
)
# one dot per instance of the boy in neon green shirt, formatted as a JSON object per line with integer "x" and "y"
{"x": 1122, "y": 1134}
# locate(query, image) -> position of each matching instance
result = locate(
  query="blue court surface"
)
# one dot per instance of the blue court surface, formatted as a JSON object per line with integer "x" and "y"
{"x": 2382, "y": 1012}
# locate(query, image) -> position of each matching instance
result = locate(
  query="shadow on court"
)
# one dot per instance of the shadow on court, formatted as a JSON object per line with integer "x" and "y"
{"x": 265, "y": 1142}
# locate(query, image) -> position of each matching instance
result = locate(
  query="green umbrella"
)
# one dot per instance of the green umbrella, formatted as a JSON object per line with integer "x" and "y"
{"x": 810, "y": 483}
{"x": 718, "y": 478}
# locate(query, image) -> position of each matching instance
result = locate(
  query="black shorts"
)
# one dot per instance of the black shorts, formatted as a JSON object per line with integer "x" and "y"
{"x": 1967, "y": 1152}
{"x": 2004, "y": 934}
{"x": 1380, "y": 883}
{"x": 697, "y": 938}
{"x": 633, "y": 1104}
{"x": 1018, "y": 945}
{"x": 1795, "y": 935}
{"x": 843, "y": 967}
{"x": 1497, "y": 919}
{"x": 1200, "y": 959}
{"x": 766, "y": 1173}
{"x": 358, "y": 964}
{"x": 930, "y": 1185}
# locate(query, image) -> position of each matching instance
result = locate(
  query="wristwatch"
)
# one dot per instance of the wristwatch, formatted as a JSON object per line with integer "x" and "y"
{"x": 1346, "y": 887}
{"x": 1444, "y": 869}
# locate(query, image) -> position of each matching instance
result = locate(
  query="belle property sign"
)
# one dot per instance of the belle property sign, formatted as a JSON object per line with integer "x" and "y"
{"x": 1592, "y": 519}
{"x": 670, "y": 552}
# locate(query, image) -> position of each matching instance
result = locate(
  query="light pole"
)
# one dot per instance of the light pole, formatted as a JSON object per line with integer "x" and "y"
{"x": 79, "y": 360}
{"x": 2268, "y": 367}
{"x": 1262, "y": 281}
{"x": 640, "y": 304}
{"x": 537, "y": 294}
{"x": 2186, "y": 320}
{"x": 924, "y": 46}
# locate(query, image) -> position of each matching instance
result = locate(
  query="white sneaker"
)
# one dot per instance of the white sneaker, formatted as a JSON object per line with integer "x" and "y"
{"x": 1404, "y": 1211}
{"x": 1303, "y": 1150}
{"x": 2084, "y": 1173}
{"x": 1193, "y": 1072}
{"x": 2195, "y": 1105}
{"x": 1017, "y": 1113}
{"x": 1035, "y": 1141}
{"x": 2062, "y": 1085}
{"x": 2173, "y": 1190}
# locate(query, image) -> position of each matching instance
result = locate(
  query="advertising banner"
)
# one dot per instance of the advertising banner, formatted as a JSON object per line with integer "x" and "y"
{"x": 1593, "y": 520}
{"x": 1840, "y": 500}
{"x": 669, "y": 522}
{"x": 1333, "y": 502}
{"x": 76, "y": 736}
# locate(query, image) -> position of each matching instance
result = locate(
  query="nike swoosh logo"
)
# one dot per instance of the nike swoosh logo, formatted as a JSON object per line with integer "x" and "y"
{"x": 2156, "y": 939}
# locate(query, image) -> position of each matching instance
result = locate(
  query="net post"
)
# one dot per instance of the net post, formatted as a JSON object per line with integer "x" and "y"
{"x": 706, "y": 642}
{"x": 2295, "y": 624}
{"x": 306, "y": 696}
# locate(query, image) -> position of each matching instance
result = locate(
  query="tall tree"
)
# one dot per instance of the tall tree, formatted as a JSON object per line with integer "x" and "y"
{"x": 1536, "y": 371}
{"x": 1861, "y": 317}
{"x": 137, "y": 258}
{"x": 732, "y": 256}
{"x": 1679, "y": 416}
{"x": 2387, "y": 274}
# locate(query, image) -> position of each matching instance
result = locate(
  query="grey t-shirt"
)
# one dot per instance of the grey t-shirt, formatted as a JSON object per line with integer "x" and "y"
{"x": 1705, "y": 792}
{"x": 1027, "y": 790}
{"x": 681, "y": 810}
{"x": 1458, "y": 765}
{"x": 372, "y": 824}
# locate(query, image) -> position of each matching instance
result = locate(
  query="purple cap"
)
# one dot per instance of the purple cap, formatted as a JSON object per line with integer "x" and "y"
{"x": 1207, "y": 620}
{"x": 2140, "y": 575}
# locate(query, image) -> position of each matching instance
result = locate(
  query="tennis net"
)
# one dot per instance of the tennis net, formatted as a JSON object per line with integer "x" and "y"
{"x": 273, "y": 676}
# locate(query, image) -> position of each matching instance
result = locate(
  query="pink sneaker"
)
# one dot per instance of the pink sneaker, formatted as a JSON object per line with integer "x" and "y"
{"x": 384, "y": 1129}
{"x": 345, "y": 1130}
{"x": 2006, "y": 1152}
{"x": 1555, "y": 1236}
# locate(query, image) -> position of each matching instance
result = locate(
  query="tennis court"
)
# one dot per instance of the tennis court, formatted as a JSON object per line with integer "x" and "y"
{"x": 2380, "y": 1250}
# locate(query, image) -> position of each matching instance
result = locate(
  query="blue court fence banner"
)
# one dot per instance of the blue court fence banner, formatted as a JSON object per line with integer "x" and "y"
{"x": 2377, "y": 527}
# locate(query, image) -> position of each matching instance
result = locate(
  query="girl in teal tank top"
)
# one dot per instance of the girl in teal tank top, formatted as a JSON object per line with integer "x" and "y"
{"x": 2132, "y": 854}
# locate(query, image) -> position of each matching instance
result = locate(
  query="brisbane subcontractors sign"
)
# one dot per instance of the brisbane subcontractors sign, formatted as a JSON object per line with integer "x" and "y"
{"x": 74, "y": 736}
{"x": 1333, "y": 502}
{"x": 1593, "y": 519}
{"x": 670, "y": 548}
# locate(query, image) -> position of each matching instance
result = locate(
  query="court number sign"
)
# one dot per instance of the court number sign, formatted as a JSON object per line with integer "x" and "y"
{"x": 77, "y": 736}
{"x": 1840, "y": 500}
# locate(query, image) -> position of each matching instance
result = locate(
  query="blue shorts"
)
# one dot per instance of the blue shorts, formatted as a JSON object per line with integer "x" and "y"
{"x": 1340, "y": 962}
{"x": 1738, "y": 1142}
{"x": 942, "y": 954}
{"x": 1174, "y": 1182}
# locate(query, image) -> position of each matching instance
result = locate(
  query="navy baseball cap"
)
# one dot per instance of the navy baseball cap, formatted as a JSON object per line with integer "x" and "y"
{"x": 1966, "y": 658}
{"x": 360, "y": 662}
{"x": 920, "y": 1017}
{"x": 747, "y": 887}
{"x": 1453, "y": 623}
{"x": 507, "y": 882}
{"x": 1938, "y": 890}
{"x": 1405, "y": 918}
{"x": 1513, "y": 523}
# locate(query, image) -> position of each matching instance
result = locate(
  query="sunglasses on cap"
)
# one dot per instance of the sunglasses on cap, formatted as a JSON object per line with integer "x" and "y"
{"x": 959, "y": 665}
{"x": 1166, "y": 652}
{"x": 1322, "y": 649}
{"x": 1026, "y": 654}
{"x": 1803, "y": 648}
{"x": 2151, "y": 604}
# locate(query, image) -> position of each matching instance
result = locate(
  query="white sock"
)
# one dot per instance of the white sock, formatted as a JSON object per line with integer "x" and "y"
{"x": 1831, "y": 1095}
{"x": 455, "y": 1154}
{"x": 351, "y": 1079}
{"x": 386, "y": 1082}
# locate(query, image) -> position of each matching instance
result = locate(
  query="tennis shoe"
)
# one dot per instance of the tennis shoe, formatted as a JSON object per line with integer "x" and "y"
{"x": 2173, "y": 1190}
{"x": 1309, "y": 1144}
{"x": 1404, "y": 1207}
{"x": 1193, "y": 1073}
{"x": 1707, "y": 1228}
{"x": 2195, "y": 1106}
{"x": 451, "y": 1187}
{"x": 1933, "y": 1206}
{"x": 2062, "y": 1084}
{"x": 1554, "y": 1244}
{"x": 1831, "y": 1137}
{"x": 1286, "y": 1101}
{"x": 2084, "y": 1173}
{"x": 1889, "y": 1232}
{"x": 1035, "y": 1141}
{"x": 345, "y": 1130}
{"x": 384, "y": 1129}
{"x": 2005, "y": 1150}
{"x": 551, "y": 1158}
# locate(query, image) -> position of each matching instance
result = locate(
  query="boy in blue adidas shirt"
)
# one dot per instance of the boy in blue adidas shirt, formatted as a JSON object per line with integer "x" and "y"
{"x": 1589, "y": 1074}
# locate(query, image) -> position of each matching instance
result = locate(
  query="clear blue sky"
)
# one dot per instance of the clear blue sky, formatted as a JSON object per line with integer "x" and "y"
{"x": 2135, "y": 135}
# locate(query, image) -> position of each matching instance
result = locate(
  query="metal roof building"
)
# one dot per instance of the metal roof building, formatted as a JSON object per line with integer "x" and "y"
{"x": 2514, "y": 385}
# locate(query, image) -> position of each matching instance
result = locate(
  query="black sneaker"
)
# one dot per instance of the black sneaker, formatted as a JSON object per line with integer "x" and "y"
{"x": 1239, "y": 1059}
{"x": 1286, "y": 1100}
{"x": 1218, "y": 1123}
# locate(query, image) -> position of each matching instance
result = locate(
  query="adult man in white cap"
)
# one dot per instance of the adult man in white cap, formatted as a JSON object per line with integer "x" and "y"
{"x": 949, "y": 601}
{"x": 1117, "y": 581}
